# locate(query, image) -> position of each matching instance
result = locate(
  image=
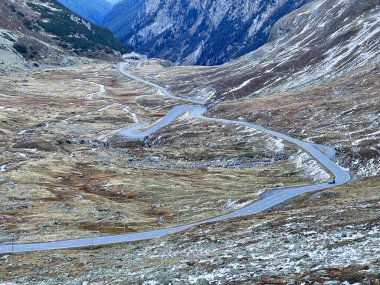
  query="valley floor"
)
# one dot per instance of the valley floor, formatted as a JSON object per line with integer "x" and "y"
{"x": 64, "y": 174}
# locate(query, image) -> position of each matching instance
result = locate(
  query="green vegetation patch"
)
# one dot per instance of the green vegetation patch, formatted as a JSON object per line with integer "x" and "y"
{"x": 57, "y": 20}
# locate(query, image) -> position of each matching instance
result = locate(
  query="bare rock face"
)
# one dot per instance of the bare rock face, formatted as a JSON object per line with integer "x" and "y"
{"x": 197, "y": 32}
{"x": 321, "y": 41}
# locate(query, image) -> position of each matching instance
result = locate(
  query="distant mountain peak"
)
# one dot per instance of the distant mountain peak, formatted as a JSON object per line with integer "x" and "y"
{"x": 192, "y": 32}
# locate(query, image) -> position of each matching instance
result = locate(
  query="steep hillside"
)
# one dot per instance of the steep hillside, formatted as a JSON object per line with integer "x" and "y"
{"x": 119, "y": 19}
{"x": 45, "y": 32}
{"x": 318, "y": 79}
{"x": 318, "y": 43}
{"x": 196, "y": 32}
{"x": 92, "y": 10}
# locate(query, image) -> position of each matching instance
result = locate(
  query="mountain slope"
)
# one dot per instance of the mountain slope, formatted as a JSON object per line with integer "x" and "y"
{"x": 317, "y": 79}
{"x": 92, "y": 10}
{"x": 315, "y": 44}
{"x": 119, "y": 19}
{"x": 45, "y": 32}
{"x": 196, "y": 32}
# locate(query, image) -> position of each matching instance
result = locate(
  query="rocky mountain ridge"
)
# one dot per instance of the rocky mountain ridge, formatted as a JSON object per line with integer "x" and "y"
{"x": 196, "y": 32}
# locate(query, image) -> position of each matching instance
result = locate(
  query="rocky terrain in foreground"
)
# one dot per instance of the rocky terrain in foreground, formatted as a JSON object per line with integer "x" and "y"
{"x": 326, "y": 238}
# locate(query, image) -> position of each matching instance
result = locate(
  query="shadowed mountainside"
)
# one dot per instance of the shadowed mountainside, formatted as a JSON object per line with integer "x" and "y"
{"x": 196, "y": 32}
{"x": 92, "y": 10}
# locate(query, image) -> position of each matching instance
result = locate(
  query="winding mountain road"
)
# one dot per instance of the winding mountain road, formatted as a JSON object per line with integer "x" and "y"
{"x": 320, "y": 153}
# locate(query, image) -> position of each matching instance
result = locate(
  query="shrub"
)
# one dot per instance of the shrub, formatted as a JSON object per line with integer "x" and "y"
{"x": 20, "y": 48}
